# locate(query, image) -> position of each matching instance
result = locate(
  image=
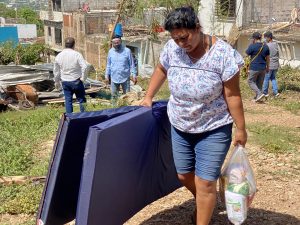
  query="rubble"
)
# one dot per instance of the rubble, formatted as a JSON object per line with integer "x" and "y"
{"x": 24, "y": 87}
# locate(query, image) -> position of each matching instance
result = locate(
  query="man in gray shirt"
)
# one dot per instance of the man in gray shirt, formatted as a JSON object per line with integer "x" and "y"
{"x": 70, "y": 69}
{"x": 273, "y": 67}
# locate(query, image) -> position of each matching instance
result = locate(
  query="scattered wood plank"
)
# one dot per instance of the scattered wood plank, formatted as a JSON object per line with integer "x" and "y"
{"x": 62, "y": 100}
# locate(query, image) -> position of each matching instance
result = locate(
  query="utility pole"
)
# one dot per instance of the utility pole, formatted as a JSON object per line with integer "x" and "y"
{"x": 252, "y": 10}
{"x": 50, "y": 10}
{"x": 270, "y": 11}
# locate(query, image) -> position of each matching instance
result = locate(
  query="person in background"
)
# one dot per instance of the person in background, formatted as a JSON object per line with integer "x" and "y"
{"x": 203, "y": 77}
{"x": 70, "y": 69}
{"x": 259, "y": 64}
{"x": 274, "y": 65}
{"x": 136, "y": 63}
{"x": 119, "y": 67}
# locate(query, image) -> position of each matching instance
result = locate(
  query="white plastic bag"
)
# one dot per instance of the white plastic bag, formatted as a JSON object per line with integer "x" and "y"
{"x": 237, "y": 186}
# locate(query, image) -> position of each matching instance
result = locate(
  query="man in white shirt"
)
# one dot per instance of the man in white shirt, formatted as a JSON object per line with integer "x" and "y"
{"x": 70, "y": 69}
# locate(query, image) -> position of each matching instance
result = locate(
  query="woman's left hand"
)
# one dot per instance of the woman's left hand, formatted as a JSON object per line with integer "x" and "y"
{"x": 240, "y": 137}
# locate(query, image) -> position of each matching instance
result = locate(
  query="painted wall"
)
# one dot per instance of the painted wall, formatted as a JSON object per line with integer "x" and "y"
{"x": 9, "y": 34}
{"x": 27, "y": 31}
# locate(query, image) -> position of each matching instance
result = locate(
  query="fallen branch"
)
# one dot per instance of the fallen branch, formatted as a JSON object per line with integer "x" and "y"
{"x": 20, "y": 179}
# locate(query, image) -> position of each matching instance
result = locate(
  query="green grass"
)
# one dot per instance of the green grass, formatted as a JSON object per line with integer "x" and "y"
{"x": 21, "y": 153}
{"x": 17, "y": 199}
{"x": 274, "y": 139}
{"x": 294, "y": 107}
{"x": 21, "y": 134}
{"x": 292, "y": 104}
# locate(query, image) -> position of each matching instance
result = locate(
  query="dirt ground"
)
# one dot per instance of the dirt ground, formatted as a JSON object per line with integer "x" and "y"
{"x": 277, "y": 201}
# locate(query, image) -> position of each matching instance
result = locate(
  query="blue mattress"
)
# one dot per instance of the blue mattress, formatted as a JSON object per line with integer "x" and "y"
{"x": 108, "y": 165}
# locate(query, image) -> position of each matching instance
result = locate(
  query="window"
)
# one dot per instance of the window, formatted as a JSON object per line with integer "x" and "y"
{"x": 49, "y": 31}
{"x": 58, "y": 36}
{"x": 225, "y": 8}
{"x": 56, "y": 5}
{"x": 81, "y": 26}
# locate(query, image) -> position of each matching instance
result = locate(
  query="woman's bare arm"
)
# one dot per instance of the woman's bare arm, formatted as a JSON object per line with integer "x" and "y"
{"x": 232, "y": 95}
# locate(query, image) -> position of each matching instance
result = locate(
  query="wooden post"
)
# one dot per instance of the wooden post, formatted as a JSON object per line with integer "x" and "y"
{"x": 117, "y": 20}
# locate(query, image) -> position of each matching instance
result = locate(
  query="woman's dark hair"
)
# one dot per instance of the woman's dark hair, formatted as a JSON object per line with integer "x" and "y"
{"x": 183, "y": 17}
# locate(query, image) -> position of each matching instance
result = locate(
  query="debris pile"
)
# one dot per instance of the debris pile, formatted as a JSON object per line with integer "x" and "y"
{"x": 24, "y": 87}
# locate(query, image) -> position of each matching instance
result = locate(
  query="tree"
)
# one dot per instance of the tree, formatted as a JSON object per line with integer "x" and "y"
{"x": 7, "y": 13}
{"x": 31, "y": 17}
{"x": 28, "y": 15}
{"x": 136, "y": 8}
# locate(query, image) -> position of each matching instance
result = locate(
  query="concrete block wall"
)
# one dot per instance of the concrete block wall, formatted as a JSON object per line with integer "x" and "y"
{"x": 98, "y": 23}
{"x": 96, "y": 54}
{"x": 265, "y": 10}
{"x": 74, "y": 5}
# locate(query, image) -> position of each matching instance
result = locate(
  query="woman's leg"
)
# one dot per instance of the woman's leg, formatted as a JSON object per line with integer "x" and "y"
{"x": 188, "y": 180}
{"x": 211, "y": 150}
{"x": 205, "y": 200}
{"x": 184, "y": 158}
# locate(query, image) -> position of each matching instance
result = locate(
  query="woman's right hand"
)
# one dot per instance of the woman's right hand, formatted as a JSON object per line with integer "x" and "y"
{"x": 147, "y": 102}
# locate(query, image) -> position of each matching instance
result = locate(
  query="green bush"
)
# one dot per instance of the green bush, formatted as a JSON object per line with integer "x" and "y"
{"x": 288, "y": 79}
{"x": 7, "y": 53}
{"x": 22, "y": 54}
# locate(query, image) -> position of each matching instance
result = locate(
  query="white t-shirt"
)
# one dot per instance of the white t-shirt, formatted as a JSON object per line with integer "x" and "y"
{"x": 69, "y": 65}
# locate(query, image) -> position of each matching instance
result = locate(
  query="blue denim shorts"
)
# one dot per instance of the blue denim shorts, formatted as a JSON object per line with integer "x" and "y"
{"x": 203, "y": 153}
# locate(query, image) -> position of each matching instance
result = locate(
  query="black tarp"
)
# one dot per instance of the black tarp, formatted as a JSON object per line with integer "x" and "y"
{"x": 127, "y": 164}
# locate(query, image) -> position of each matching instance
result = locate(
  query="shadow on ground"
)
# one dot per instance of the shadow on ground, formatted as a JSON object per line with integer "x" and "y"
{"x": 181, "y": 215}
